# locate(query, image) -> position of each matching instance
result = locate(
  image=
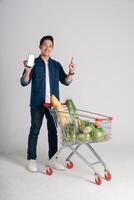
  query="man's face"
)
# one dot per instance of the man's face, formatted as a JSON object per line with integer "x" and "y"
{"x": 46, "y": 48}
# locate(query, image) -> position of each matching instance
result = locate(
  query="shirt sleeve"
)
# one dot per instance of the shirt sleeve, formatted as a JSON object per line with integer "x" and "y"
{"x": 23, "y": 82}
{"x": 67, "y": 82}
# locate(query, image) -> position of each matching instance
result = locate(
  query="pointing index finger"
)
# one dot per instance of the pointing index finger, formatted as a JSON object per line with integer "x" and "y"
{"x": 72, "y": 59}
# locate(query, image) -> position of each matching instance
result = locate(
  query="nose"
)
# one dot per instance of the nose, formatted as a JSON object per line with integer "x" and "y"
{"x": 47, "y": 48}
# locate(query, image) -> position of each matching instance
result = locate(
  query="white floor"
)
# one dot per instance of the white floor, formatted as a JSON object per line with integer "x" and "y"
{"x": 16, "y": 183}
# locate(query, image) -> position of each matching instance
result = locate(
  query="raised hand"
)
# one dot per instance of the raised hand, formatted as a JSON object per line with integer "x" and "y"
{"x": 72, "y": 66}
{"x": 28, "y": 69}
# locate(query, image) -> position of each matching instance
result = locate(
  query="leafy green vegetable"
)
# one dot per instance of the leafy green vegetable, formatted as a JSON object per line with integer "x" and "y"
{"x": 70, "y": 132}
{"x": 71, "y": 107}
{"x": 87, "y": 129}
{"x": 98, "y": 134}
{"x": 84, "y": 137}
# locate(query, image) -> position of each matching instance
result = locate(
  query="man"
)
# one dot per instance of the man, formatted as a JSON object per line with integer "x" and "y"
{"x": 45, "y": 77}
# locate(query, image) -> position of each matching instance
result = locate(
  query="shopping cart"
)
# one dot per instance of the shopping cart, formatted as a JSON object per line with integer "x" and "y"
{"x": 72, "y": 137}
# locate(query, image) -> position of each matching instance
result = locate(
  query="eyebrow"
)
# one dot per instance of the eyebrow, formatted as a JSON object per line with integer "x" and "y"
{"x": 45, "y": 43}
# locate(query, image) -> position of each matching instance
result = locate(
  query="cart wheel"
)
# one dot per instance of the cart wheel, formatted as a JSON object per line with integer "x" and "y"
{"x": 70, "y": 165}
{"x": 98, "y": 180}
{"x": 108, "y": 176}
{"x": 49, "y": 171}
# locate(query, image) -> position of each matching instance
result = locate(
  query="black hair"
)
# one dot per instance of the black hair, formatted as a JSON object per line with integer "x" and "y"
{"x": 47, "y": 37}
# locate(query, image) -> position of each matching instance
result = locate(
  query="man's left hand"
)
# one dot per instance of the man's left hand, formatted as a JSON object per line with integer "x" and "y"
{"x": 72, "y": 66}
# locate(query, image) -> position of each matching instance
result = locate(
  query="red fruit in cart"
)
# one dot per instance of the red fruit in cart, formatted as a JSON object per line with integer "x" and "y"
{"x": 96, "y": 125}
{"x": 70, "y": 165}
{"x": 98, "y": 180}
{"x": 49, "y": 171}
{"x": 108, "y": 176}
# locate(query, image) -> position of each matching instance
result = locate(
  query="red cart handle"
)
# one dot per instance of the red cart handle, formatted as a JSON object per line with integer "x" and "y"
{"x": 101, "y": 120}
{"x": 49, "y": 105}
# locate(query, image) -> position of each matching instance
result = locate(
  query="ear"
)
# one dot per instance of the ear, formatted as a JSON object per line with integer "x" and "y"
{"x": 39, "y": 46}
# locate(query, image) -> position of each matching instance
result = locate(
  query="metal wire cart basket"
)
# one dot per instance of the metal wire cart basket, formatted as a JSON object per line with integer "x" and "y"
{"x": 81, "y": 128}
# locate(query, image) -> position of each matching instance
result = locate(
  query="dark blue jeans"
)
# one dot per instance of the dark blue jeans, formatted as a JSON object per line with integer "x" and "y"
{"x": 36, "y": 122}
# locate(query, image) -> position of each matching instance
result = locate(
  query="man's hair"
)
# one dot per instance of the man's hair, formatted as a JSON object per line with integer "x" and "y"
{"x": 47, "y": 37}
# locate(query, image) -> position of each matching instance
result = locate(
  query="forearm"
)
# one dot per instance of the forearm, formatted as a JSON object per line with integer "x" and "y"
{"x": 25, "y": 79}
{"x": 26, "y": 76}
{"x": 69, "y": 78}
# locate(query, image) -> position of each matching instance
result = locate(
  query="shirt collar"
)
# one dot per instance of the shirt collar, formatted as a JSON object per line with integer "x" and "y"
{"x": 49, "y": 60}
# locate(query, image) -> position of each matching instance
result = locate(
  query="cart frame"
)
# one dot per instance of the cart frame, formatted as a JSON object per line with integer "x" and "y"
{"x": 74, "y": 146}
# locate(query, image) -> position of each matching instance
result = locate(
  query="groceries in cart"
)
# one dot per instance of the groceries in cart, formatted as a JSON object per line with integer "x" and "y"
{"x": 81, "y": 126}
{"x": 76, "y": 128}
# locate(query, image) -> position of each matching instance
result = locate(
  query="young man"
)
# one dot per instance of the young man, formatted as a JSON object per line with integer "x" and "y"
{"x": 45, "y": 77}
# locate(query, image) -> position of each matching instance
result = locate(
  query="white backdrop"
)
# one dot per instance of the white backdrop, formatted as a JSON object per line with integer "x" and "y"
{"x": 100, "y": 36}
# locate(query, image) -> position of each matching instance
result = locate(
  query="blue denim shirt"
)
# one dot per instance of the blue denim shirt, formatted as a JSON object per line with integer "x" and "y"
{"x": 38, "y": 79}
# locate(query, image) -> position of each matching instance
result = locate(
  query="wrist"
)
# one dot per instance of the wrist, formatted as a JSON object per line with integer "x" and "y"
{"x": 28, "y": 70}
{"x": 71, "y": 73}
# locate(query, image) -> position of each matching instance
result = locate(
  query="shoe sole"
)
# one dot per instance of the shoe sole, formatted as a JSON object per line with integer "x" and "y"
{"x": 31, "y": 170}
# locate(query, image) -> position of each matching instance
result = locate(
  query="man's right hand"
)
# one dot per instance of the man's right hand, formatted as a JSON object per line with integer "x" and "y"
{"x": 28, "y": 69}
